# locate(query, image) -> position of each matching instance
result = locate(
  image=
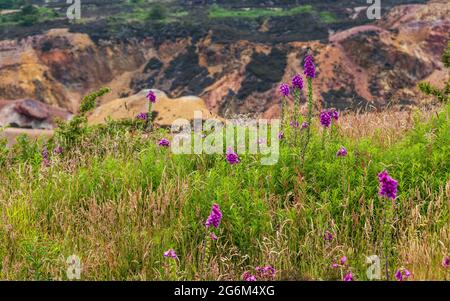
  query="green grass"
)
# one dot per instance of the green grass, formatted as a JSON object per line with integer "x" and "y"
{"x": 118, "y": 201}
{"x": 11, "y": 4}
{"x": 219, "y": 12}
{"x": 143, "y": 13}
{"x": 327, "y": 17}
{"x": 252, "y": 13}
{"x": 35, "y": 16}
{"x": 8, "y": 20}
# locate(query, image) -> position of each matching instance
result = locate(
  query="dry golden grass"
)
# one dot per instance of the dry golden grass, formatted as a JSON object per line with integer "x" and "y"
{"x": 385, "y": 127}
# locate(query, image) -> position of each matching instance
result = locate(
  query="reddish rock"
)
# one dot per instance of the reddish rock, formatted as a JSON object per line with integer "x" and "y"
{"x": 32, "y": 108}
{"x": 29, "y": 113}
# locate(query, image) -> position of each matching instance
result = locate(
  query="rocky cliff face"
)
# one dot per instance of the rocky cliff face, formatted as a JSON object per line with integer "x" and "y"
{"x": 59, "y": 67}
{"x": 233, "y": 71}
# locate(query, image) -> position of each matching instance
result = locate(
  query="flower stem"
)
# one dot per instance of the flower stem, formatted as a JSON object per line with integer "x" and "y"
{"x": 150, "y": 114}
{"x": 207, "y": 253}
{"x": 309, "y": 120}
{"x": 387, "y": 235}
{"x": 283, "y": 105}
{"x": 173, "y": 268}
{"x": 296, "y": 118}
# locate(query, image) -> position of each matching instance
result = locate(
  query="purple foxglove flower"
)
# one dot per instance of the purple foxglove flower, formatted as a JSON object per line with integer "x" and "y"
{"x": 297, "y": 82}
{"x": 45, "y": 153}
{"x": 142, "y": 116}
{"x": 232, "y": 157}
{"x": 325, "y": 119}
{"x": 309, "y": 68}
{"x": 164, "y": 142}
{"x": 335, "y": 115}
{"x": 248, "y": 277}
{"x": 170, "y": 254}
{"x": 407, "y": 273}
{"x": 305, "y": 125}
{"x": 280, "y": 135}
{"x": 266, "y": 271}
{"x": 334, "y": 265}
{"x": 215, "y": 217}
{"x": 151, "y": 96}
{"x": 348, "y": 276}
{"x": 285, "y": 90}
{"x": 213, "y": 236}
{"x": 58, "y": 150}
{"x": 398, "y": 275}
{"x": 342, "y": 152}
{"x": 388, "y": 186}
{"x": 295, "y": 124}
{"x": 343, "y": 260}
{"x": 328, "y": 236}
{"x": 251, "y": 278}
{"x": 270, "y": 270}
{"x": 446, "y": 262}
{"x": 45, "y": 157}
{"x": 46, "y": 162}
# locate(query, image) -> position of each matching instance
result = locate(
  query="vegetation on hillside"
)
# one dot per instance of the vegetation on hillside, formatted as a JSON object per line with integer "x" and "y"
{"x": 255, "y": 12}
{"x": 117, "y": 198}
{"x": 11, "y": 4}
{"x": 219, "y": 12}
{"x": 28, "y": 15}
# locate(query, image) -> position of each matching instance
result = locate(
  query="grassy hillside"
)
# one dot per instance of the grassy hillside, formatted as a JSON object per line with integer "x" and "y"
{"x": 119, "y": 201}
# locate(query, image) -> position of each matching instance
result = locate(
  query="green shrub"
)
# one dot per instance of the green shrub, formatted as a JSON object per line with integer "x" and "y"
{"x": 11, "y": 4}
{"x": 69, "y": 133}
{"x": 89, "y": 102}
{"x": 157, "y": 13}
{"x": 28, "y": 16}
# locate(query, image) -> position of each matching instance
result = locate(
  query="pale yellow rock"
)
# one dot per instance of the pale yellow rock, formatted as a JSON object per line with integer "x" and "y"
{"x": 167, "y": 110}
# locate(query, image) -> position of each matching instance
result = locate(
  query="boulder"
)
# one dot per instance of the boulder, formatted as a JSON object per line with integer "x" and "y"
{"x": 30, "y": 113}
